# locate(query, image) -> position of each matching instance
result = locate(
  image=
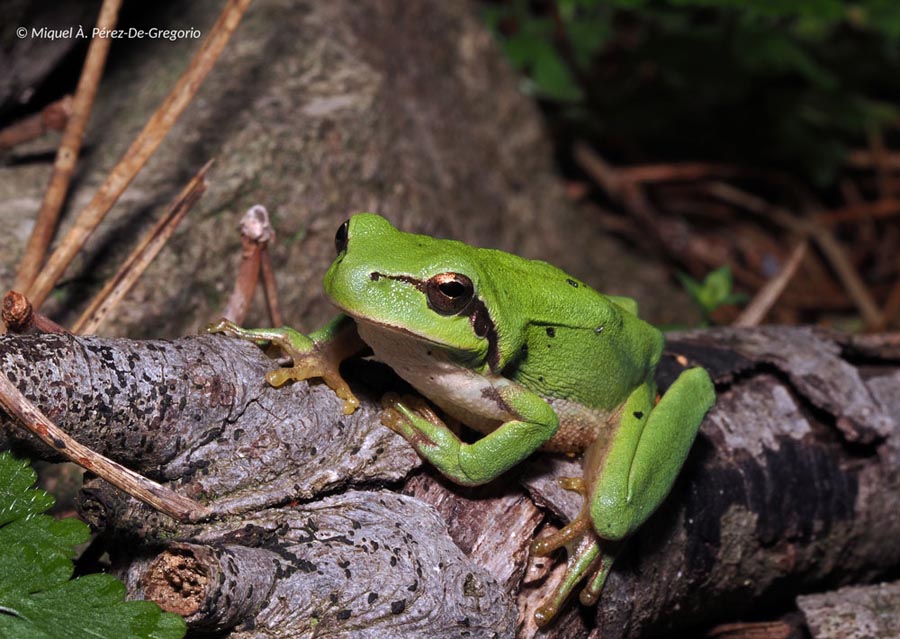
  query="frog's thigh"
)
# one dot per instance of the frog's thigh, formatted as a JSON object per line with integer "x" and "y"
{"x": 647, "y": 453}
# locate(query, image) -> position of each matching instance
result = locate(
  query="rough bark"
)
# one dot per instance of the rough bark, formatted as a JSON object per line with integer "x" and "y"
{"x": 854, "y": 612}
{"x": 793, "y": 486}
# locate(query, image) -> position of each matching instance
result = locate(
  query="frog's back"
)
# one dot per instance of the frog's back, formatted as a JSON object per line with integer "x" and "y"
{"x": 578, "y": 345}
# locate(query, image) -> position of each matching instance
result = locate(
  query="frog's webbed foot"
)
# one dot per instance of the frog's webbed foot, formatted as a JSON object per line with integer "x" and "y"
{"x": 310, "y": 358}
{"x": 585, "y": 559}
{"x": 400, "y": 412}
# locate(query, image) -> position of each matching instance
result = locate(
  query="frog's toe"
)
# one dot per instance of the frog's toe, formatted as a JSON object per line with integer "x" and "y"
{"x": 410, "y": 406}
{"x": 573, "y": 531}
{"x": 309, "y": 366}
{"x": 575, "y": 484}
{"x": 583, "y": 550}
{"x": 221, "y": 326}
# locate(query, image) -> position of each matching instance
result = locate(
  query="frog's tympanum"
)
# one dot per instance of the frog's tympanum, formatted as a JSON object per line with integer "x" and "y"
{"x": 520, "y": 351}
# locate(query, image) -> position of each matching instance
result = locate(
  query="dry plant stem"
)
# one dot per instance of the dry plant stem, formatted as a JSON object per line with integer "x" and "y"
{"x": 256, "y": 232}
{"x": 752, "y": 630}
{"x": 141, "y": 257}
{"x": 245, "y": 284}
{"x": 847, "y": 274}
{"x": 19, "y": 317}
{"x": 270, "y": 288}
{"x": 884, "y": 208}
{"x": 628, "y": 192}
{"x": 148, "y": 491}
{"x": 891, "y": 309}
{"x": 824, "y": 239}
{"x": 865, "y": 159}
{"x": 685, "y": 171}
{"x": 52, "y": 117}
{"x": 766, "y": 297}
{"x": 879, "y": 156}
{"x": 69, "y": 148}
{"x": 139, "y": 151}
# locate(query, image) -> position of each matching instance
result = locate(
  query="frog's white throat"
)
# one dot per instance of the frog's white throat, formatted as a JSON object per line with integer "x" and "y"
{"x": 460, "y": 391}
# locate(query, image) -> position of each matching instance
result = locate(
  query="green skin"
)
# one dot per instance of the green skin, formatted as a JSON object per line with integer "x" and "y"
{"x": 521, "y": 351}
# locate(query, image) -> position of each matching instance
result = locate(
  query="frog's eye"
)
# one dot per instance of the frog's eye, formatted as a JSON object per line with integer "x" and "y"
{"x": 449, "y": 293}
{"x": 340, "y": 238}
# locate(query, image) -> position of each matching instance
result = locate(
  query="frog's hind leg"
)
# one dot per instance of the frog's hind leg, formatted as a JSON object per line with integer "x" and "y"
{"x": 584, "y": 558}
{"x": 647, "y": 452}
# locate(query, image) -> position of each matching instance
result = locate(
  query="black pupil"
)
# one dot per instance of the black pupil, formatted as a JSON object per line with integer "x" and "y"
{"x": 453, "y": 289}
{"x": 340, "y": 238}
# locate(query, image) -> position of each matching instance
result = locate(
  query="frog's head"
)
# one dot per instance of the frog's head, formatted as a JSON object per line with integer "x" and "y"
{"x": 414, "y": 284}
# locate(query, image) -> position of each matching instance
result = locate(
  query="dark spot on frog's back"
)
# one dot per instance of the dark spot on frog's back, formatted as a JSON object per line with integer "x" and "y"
{"x": 638, "y": 414}
{"x": 572, "y": 283}
{"x": 551, "y": 332}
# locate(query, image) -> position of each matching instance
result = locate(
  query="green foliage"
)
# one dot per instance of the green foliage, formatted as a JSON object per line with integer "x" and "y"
{"x": 38, "y": 597}
{"x": 792, "y": 84}
{"x": 717, "y": 289}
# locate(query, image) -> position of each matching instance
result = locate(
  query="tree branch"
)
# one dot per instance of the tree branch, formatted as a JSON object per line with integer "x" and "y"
{"x": 791, "y": 487}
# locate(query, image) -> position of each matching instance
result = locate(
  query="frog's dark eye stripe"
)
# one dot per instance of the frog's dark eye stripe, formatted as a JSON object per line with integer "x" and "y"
{"x": 449, "y": 293}
{"x": 340, "y": 238}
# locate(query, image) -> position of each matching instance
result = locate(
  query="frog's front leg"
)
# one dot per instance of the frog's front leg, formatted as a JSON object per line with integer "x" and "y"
{"x": 628, "y": 478}
{"x": 534, "y": 422}
{"x": 317, "y": 355}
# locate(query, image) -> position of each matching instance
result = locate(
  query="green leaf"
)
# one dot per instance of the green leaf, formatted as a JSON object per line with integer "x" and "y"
{"x": 552, "y": 77}
{"x": 17, "y": 499}
{"x": 38, "y": 598}
{"x": 714, "y": 291}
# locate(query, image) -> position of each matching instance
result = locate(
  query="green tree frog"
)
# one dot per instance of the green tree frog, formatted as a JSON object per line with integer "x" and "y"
{"x": 520, "y": 351}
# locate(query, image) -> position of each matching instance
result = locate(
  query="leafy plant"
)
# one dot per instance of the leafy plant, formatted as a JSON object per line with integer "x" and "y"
{"x": 38, "y": 597}
{"x": 716, "y": 289}
{"x": 760, "y": 81}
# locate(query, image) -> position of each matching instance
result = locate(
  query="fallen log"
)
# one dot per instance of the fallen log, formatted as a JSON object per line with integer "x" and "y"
{"x": 792, "y": 487}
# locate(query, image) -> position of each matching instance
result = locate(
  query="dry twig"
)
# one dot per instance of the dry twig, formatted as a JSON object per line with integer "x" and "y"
{"x": 256, "y": 233}
{"x": 766, "y": 297}
{"x": 270, "y": 287}
{"x": 825, "y": 240}
{"x": 140, "y": 150}
{"x": 141, "y": 257}
{"x": 52, "y": 117}
{"x": 19, "y": 316}
{"x": 683, "y": 171}
{"x": 69, "y": 147}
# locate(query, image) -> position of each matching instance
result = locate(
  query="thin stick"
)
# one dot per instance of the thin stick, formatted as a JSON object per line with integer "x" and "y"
{"x": 151, "y": 493}
{"x": 891, "y": 309}
{"x": 627, "y": 192}
{"x": 767, "y": 296}
{"x": 52, "y": 117}
{"x": 847, "y": 274}
{"x": 685, "y": 171}
{"x": 270, "y": 287}
{"x": 69, "y": 148}
{"x": 19, "y": 316}
{"x": 859, "y": 211}
{"x": 141, "y": 257}
{"x": 865, "y": 159}
{"x": 832, "y": 250}
{"x": 256, "y": 232}
{"x": 140, "y": 150}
